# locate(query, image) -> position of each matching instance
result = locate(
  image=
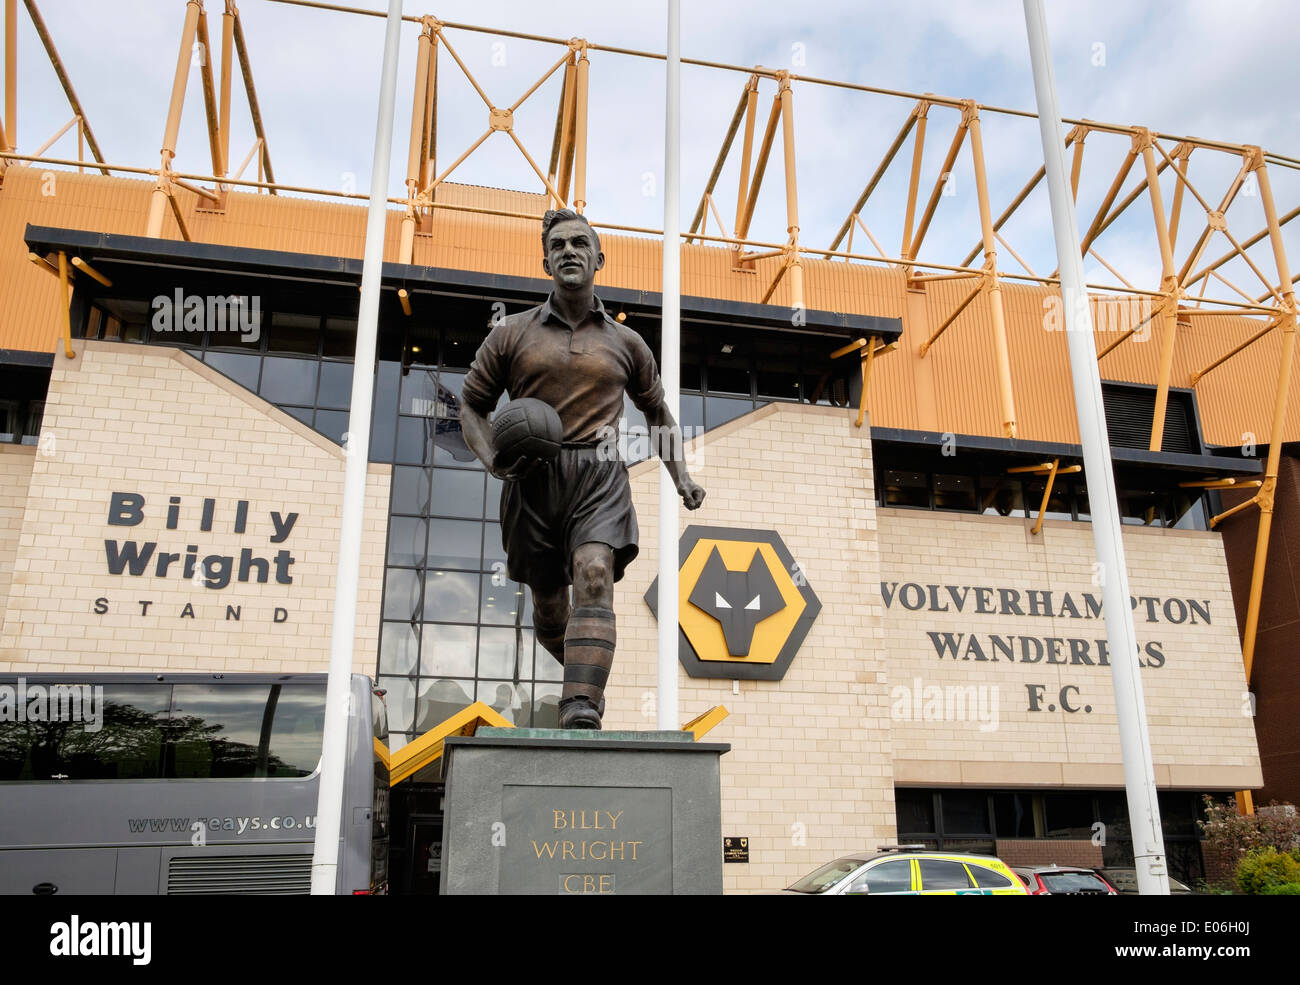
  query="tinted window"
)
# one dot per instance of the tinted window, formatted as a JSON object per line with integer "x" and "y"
{"x": 941, "y": 874}
{"x": 894, "y": 876}
{"x": 115, "y": 735}
{"x": 1073, "y": 882}
{"x": 245, "y": 730}
{"x": 825, "y": 877}
{"x": 988, "y": 879}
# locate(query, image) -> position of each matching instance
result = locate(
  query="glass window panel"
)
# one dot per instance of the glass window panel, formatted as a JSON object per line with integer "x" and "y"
{"x": 719, "y": 410}
{"x": 407, "y": 537}
{"x": 1001, "y": 496}
{"x": 128, "y": 745}
{"x": 1189, "y": 512}
{"x": 1068, "y": 815}
{"x": 447, "y": 651}
{"x": 340, "y": 337}
{"x": 400, "y": 701}
{"x": 335, "y": 386}
{"x": 402, "y": 596}
{"x": 692, "y": 413}
{"x": 905, "y": 488}
{"x": 420, "y": 391}
{"x": 778, "y": 370}
{"x": 512, "y": 701}
{"x": 449, "y": 447}
{"x": 286, "y": 380}
{"x": 546, "y": 705}
{"x": 457, "y": 493}
{"x": 414, "y": 440}
{"x": 451, "y": 596}
{"x": 965, "y": 812}
{"x": 455, "y": 544}
{"x": 242, "y": 367}
{"x": 10, "y": 420}
{"x": 460, "y": 344}
{"x": 546, "y": 667}
{"x": 294, "y": 333}
{"x": 399, "y": 648}
{"x": 304, "y": 414}
{"x": 954, "y": 492}
{"x": 412, "y": 489}
{"x": 493, "y": 498}
{"x": 297, "y": 731}
{"x": 937, "y": 873}
{"x": 1013, "y": 815}
{"x": 506, "y": 604}
{"x": 498, "y": 654}
{"x": 439, "y": 700}
{"x": 214, "y": 730}
{"x": 915, "y": 810}
{"x": 988, "y": 879}
{"x": 35, "y": 414}
{"x": 894, "y": 876}
{"x": 729, "y": 372}
{"x": 384, "y": 423}
{"x": 332, "y": 423}
{"x": 494, "y": 555}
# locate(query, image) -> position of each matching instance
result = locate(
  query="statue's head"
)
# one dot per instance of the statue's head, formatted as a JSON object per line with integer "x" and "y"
{"x": 571, "y": 251}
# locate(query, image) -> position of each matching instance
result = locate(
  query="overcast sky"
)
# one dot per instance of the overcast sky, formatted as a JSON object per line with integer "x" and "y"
{"x": 1209, "y": 69}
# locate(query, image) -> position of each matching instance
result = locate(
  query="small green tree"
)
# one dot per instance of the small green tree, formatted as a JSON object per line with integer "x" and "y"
{"x": 1268, "y": 872}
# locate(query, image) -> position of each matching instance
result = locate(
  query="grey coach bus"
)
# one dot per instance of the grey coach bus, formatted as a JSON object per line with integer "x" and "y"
{"x": 182, "y": 784}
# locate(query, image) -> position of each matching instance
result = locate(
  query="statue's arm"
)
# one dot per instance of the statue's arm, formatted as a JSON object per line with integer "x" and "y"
{"x": 667, "y": 443}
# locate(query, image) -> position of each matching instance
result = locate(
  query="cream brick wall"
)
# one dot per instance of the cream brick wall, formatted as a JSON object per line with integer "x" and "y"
{"x": 15, "y": 474}
{"x": 156, "y": 422}
{"x": 809, "y": 773}
{"x": 1200, "y": 737}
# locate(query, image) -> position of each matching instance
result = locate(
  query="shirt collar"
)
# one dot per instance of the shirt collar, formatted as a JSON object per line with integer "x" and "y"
{"x": 597, "y": 308}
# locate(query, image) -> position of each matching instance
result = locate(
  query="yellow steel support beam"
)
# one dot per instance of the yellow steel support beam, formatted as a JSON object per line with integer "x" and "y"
{"x": 210, "y": 110}
{"x": 934, "y": 337}
{"x": 721, "y": 159}
{"x": 760, "y": 168}
{"x": 1199, "y": 374}
{"x": 404, "y": 299}
{"x": 1168, "y": 285}
{"x": 922, "y": 115}
{"x": 746, "y": 154}
{"x": 847, "y": 228}
{"x": 945, "y": 171}
{"x": 1276, "y": 433}
{"x": 90, "y": 271}
{"x": 561, "y": 169}
{"x": 1095, "y": 229}
{"x": 1181, "y": 156}
{"x": 1001, "y": 349}
{"x": 227, "y": 74}
{"x": 872, "y": 348}
{"x": 1076, "y": 165}
{"x": 580, "y": 134}
{"x": 162, "y": 193}
{"x": 246, "y": 70}
{"x": 429, "y": 156}
{"x": 65, "y": 300}
{"x": 786, "y": 97}
{"x": 428, "y": 748}
{"x": 48, "y": 41}
{"x": 415, "y": 149}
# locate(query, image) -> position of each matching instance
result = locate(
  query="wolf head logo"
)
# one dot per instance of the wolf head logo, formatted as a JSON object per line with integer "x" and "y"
{"x": 739, "y": 600}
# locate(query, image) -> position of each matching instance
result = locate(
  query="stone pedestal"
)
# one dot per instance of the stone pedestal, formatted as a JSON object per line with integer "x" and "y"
{"x": 557, "y": 812}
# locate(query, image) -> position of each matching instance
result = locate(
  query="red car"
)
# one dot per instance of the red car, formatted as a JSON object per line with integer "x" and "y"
{"x": 1064, "y": 880}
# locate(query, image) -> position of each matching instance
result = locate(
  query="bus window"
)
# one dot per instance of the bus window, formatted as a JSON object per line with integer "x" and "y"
{"x": 126, "y": 744}
{"x": 245, "y": 730}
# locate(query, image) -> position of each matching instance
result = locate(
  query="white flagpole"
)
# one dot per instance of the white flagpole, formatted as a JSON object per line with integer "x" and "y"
{"x": 1130, "y": 707}
{"x": 329, "y": 806}
{"x": 670, "y": 373}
